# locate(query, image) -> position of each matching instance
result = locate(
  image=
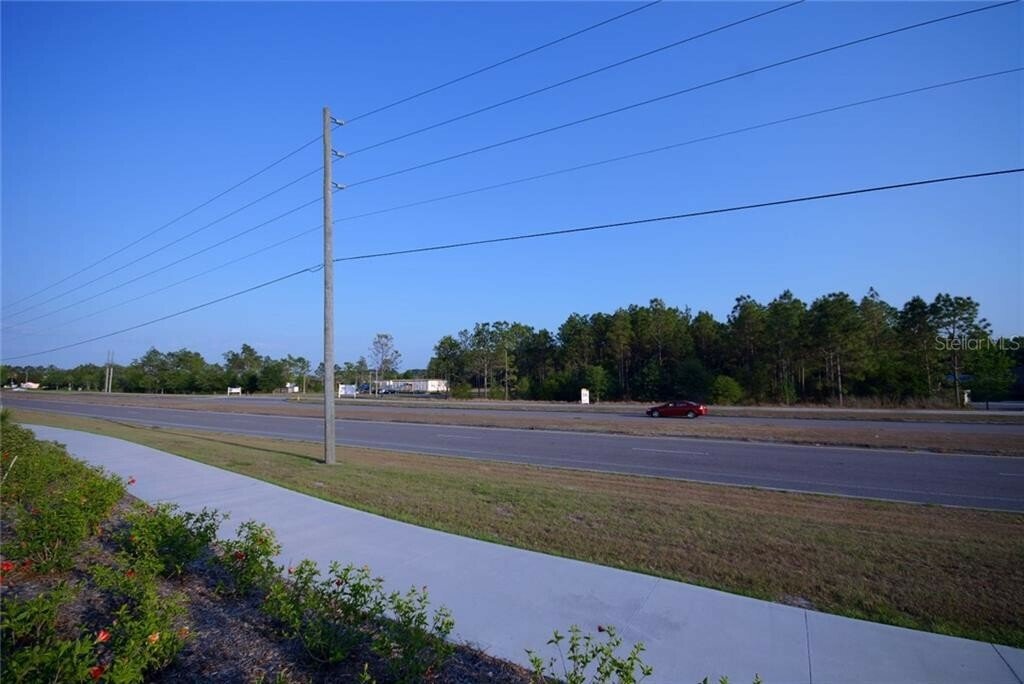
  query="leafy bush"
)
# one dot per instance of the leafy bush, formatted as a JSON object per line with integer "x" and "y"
{"x": 725, "y": 390}
{"x": 327, "y": 616}
{"x": 33, "y": 650}
{"x": 50, "y": 502}
{"x": 585, "y": 653}
{"x": 462, "y": 390}
{"x": 174, "y": 538}
{"x": 142, "y": 636}
{"x": 412, "y": 644}
{"x": 249, "y": 559}
{"x": 334, "y": 616}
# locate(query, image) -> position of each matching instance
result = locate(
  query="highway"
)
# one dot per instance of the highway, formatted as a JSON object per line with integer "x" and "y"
{"x": 991, "y": 482}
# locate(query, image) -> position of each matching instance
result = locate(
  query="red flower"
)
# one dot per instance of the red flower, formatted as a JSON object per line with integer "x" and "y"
{"x": 291, "y": 571}
{"x": 129, "y": 573}
{"x": 96, "y": 671}
{"x": 131, "y": 480}
{"x": 102, "y": 636}
{"x": 153, "y": 638}
{"x": 600, "y": 628}
{"x": 6, "y": 566}
{"x": 239, "y": 555}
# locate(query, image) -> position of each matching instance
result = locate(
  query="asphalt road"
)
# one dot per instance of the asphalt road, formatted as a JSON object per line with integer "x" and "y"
{"x": 950, "y": 479}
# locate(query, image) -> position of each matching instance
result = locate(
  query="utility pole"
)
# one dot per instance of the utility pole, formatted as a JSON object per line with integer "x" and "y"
{"x": 328, "y": 295}
{"x": 108, "y": 375}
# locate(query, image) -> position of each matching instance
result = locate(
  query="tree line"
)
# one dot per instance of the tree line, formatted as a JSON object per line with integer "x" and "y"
{"x": 785, "y": 351}
{"x": 187, "y": 372}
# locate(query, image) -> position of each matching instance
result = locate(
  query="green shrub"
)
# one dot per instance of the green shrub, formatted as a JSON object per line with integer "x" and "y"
{"x": 249, "y": 559}
{"x": 50, "y": 502}
{"x": 412, "y": 643}
{"x": 462, "y": 391}
{"x": 725, "y": 390}
{"x": 327, "y": 616}
{"x": 33, "y": 650}
{"x": 586, "y": 652}
{"x": 174, "y": 538}
{"x": 333, "y": 616}
{"x": 143, "y": 636}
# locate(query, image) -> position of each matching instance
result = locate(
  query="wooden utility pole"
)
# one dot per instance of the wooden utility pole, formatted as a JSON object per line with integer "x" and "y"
{"x": 328, "y": 296}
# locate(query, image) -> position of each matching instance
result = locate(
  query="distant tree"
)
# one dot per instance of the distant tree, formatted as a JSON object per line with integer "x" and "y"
{"x": 297, "y": 368}
{"x": 784, "y": 319}
{"x": 882, "y": 368}
{"x": 956, "y": 319}
{"x": 991, "y": 370}
{"x": 385, "y": 358}
{"x": 915, "y": 338}
{"x": 837, "y": 330}
{"x": 620, "y": 342}
{"x": 447, "y": 361}
{"x": 747, "y": 334}
{"x": 597, "y": 381}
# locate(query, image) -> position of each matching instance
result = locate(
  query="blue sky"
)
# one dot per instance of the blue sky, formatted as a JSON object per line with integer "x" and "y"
{"x": 118, "y": 117}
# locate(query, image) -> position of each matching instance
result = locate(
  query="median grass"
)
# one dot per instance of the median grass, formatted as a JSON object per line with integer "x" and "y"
{"x": 953, "y": 571}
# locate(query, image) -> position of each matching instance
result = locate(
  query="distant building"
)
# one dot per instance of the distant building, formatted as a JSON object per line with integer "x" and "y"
{"x": 422, "y": 386}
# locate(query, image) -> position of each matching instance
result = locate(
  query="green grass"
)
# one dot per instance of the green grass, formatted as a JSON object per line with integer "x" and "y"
{"x": 954, "y": 571}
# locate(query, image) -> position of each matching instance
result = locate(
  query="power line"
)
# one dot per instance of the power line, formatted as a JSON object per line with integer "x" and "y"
{"x": 267, "y": 283}
{"x": 307, "y": 144}
{"x": 548, "y": 174}
{"x": 673, "y": 217}
{"x": 566, "y": 231}
{"x": 690, "y": 89}
{"x": 167, "y": 245}
{"x": 573, "y": 79}
{"x": 503, "y": 62}
{"x": 226, "y": 240}
{"x": 168, "y": 224}
{"x": 632, "y": 155}
{"x": 218, "y": 267}
{"x": 691, "y": 141}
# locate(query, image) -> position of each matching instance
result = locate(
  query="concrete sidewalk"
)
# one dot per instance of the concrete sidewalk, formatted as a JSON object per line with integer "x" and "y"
{"x": 506, "y": 600}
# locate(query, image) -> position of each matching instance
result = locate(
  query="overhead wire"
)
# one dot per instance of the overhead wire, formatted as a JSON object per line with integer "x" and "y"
{"x": 566, "y": 231}
{"x": 573, "y": 79}
{"x": 180, "y": 260}
{"x": 691, "y": 141}
{"x": 807, "y": 55}
{"x": 677, "y": 93}
{"x": 520, "y": 55}
{"x": 170, "y": 223}
{"x": 674, "y": 217}
{"x": 167, "y": 245}
{"x": 593, "y": 164}
{"x": 295, "y": 151}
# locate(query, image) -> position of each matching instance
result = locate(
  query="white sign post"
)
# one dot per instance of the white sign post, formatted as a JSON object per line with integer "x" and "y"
{"x": 584, "y": 396}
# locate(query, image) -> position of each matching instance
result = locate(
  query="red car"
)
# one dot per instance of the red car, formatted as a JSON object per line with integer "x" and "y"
{"x": 690, "y": 409}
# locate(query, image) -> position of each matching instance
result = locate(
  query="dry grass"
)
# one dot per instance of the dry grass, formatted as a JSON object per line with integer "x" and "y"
{"x": 948, "y": 570}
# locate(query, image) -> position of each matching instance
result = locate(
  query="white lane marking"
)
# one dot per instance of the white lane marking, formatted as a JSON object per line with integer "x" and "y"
{"x": 458, "y": 436}
{"x": 674, "y": 451}
{"x": 1012, "y": 474}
